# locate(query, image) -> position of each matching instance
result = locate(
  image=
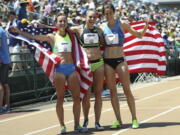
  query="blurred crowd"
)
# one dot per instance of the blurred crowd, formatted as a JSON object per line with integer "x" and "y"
{"x": 44, "y": 12}
{"x": 167, "y": 20}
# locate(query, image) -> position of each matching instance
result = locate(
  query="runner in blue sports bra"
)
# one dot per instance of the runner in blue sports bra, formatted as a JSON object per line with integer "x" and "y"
{"x": 64, "y": 72}
{"x": 115, "y": 62}
{"x": 114, "y": 37}
{"x": 91, "y": 38}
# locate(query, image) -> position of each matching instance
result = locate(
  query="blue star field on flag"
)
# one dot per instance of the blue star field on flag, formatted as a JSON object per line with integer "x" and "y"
{"x": 37, "y": 31}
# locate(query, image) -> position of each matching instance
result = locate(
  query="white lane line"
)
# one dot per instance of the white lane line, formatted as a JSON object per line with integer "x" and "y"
{"x": 30, "y": 114}
{"x": 149, "y": 119}
{"x": 148, "y": 108}
{"x": 52, "y": 109}
{"x": 107, "y": 110}
{"x": 155, "y": 95}
{"x": 57, "y": 125}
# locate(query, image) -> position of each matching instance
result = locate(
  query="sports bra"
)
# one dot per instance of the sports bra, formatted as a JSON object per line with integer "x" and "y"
{"x": 113, "y": 36}
{"x": 89, "y": 38}
{"x": 62, "y": 44}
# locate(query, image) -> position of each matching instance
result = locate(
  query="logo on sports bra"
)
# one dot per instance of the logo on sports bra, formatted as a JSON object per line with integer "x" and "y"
{"x": 64, "y": 43}
{"x": 90, "y": 35}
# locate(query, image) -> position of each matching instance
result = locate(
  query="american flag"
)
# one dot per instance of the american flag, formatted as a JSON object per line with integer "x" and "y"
{"x": 37, "y": 31}
{"x": 146, "y": 54}
{"x": 48, "y": 60}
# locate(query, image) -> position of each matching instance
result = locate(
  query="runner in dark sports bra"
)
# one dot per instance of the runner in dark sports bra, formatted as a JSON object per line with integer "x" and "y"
{"x": 91, "y": 38}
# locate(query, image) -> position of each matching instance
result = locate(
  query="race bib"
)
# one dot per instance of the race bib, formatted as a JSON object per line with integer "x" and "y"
{"x": 91, "y": 38}
{"x": 112, "y": 39}
{"x": 64, "y": 47}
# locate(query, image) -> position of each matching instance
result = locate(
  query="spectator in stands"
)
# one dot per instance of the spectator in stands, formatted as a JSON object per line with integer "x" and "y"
{"x": 16, "y": 6}
{"x": 4, "y": 10}
{"x": 37, "y": 14}
{"x": 47, "y": 8}
{"x": 30, "y": 6}
{"x": 14, "y": 44}
{"x": 166, "y": 42}
{"x": 10, "y": 4}
{"x": 62, "y": 44}
{"x": 177, "y": 41}
{"x": 4, "y": 68}
{"x": 78, "y": 20}
{"x": 22, "y": 13}
{"x": 115, "y": 62}
{"x": 84, "y": 9}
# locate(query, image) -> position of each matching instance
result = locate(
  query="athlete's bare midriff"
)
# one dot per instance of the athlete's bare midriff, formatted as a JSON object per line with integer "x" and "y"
{"x": 113, "y": 52}
{"x": 93, "y": 53}
{"x": 66, "y": 57}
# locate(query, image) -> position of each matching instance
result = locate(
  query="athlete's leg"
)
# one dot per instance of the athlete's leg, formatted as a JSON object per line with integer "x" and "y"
{"x": 98, "y": 81}
{"x": 122, "y": 70}
{"x": 110, "y": 80}
{"x": 59, "y": 82}
{"x": 73, "y": 83}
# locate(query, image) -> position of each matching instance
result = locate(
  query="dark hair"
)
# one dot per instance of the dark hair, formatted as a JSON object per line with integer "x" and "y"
{"x": 12, "y": 13}
{"x": 110, "y": 6}
{"x": 89, "y": 10}
{"x": 60, "y": 15}
{"x": 23, "y": 4}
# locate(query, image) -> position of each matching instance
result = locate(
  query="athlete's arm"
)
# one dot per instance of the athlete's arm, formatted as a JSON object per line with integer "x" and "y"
{"x": 101, "y": 37}
{"x": 139, "y": 34}
{"x": 46, "y": 38}
{"x": 77, "y": 30}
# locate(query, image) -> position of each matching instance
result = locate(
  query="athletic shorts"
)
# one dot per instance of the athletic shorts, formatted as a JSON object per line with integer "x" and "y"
{"x": 113, "y": 62}
{"x": 65, "y": 69}
{"x": 4, "y": 68}
{"x": 95, "y": 64}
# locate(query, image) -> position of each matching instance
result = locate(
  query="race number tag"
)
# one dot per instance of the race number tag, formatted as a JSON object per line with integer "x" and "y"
{"x": 112, "y": 39}
{"x": 91, "y": 38}
{"x": 64, "y": 47}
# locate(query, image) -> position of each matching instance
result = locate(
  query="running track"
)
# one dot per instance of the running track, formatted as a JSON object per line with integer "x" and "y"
{"x": 158, "y": 111}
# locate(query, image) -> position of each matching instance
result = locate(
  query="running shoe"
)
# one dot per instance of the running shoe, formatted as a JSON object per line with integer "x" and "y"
{"x": 85, "y": 124}
{"x": 6, "y": 109}
{"x": 135, "y": 124}
{"x": 63, "y": 130}
{"x": 115, "y": 125}
{"x": 80, "y": 129}
{"x": 98, "y": 126}
{"x": 1, "y": 110}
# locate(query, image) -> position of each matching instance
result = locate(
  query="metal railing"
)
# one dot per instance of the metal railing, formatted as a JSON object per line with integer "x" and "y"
{"x": 29, "y": 84}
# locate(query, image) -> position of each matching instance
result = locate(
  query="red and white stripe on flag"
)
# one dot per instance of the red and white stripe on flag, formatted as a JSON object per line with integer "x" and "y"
{"x": 82, "y": 65}
{"x": 146, "y": 54}
{"x": 47, "y": 60}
